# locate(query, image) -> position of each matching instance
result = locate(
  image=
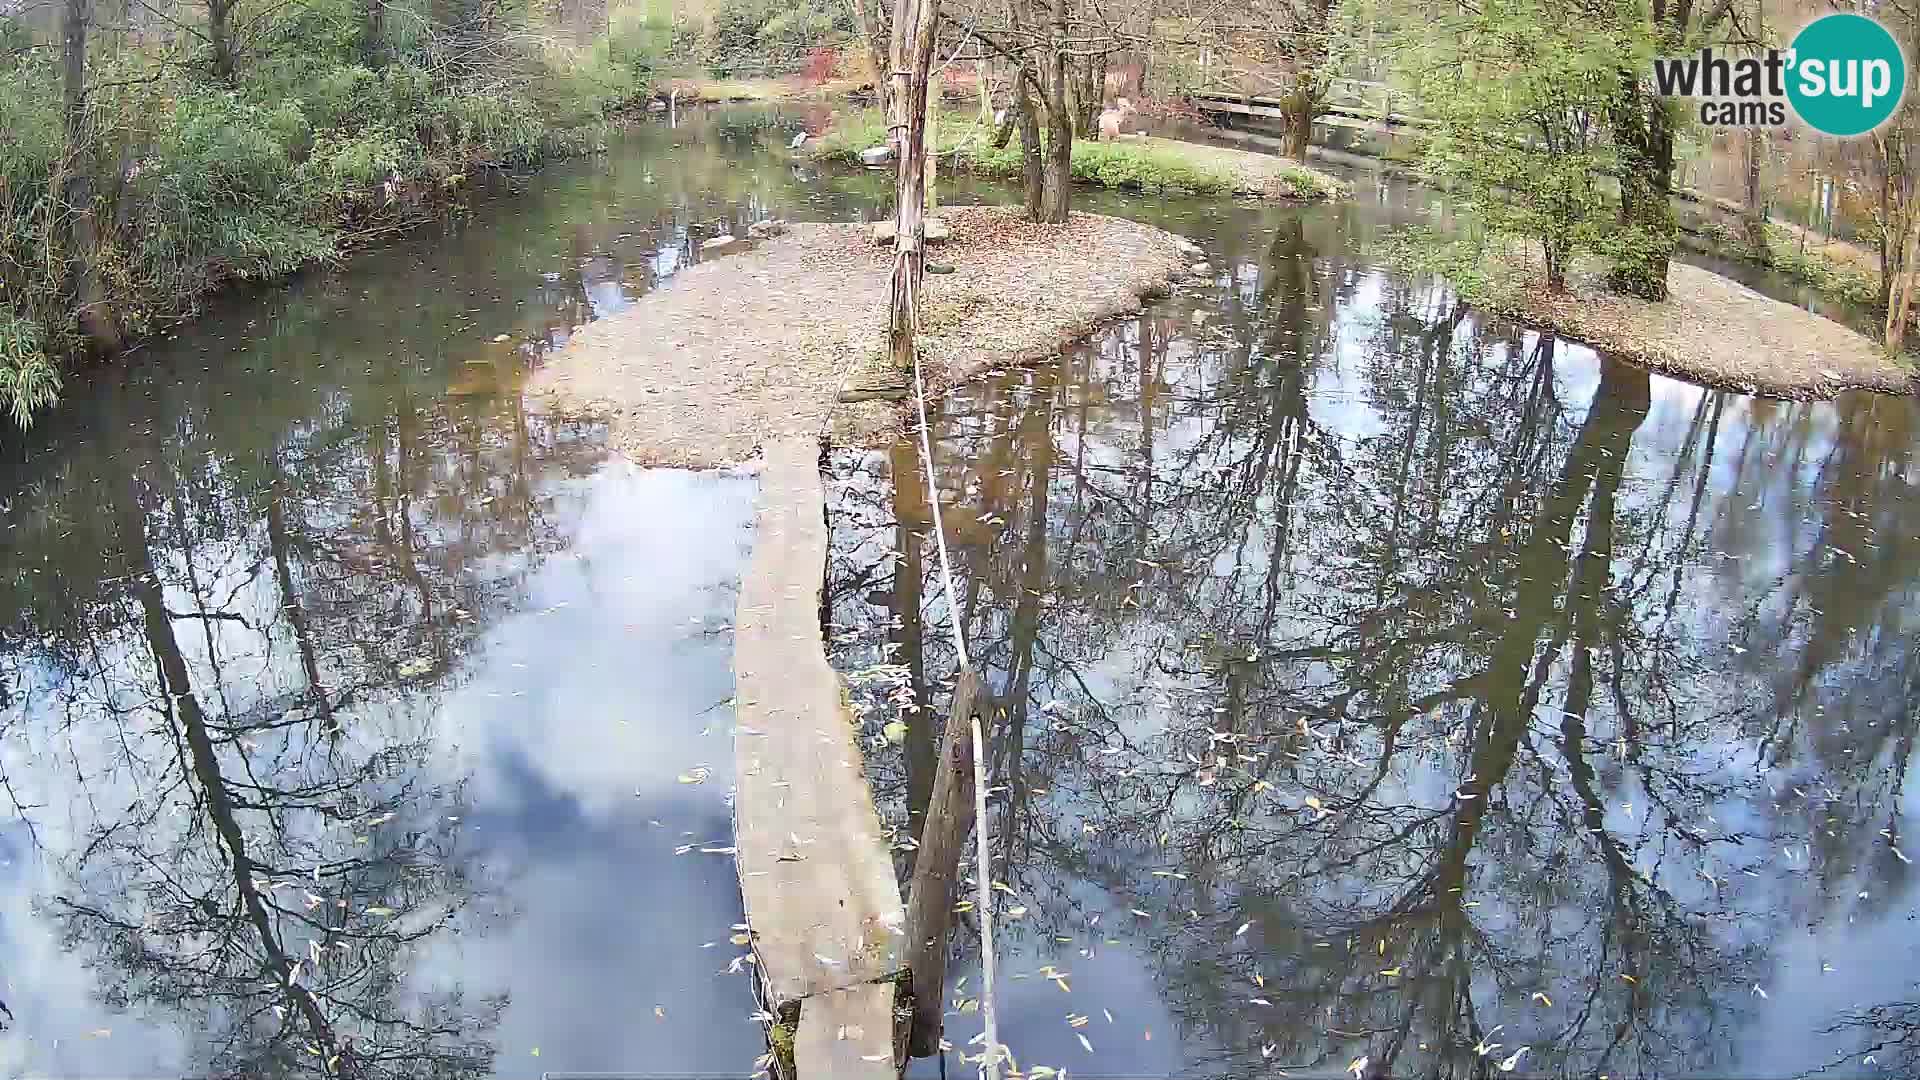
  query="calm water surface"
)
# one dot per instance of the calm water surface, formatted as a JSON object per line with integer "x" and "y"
{"x": 1380, "y": 680}
{"x": 1377, "y": 679}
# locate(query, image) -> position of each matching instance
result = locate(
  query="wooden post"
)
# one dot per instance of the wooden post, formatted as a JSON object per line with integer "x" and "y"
{"x": 936, "y": 867}
{"x": 912, "y": 59}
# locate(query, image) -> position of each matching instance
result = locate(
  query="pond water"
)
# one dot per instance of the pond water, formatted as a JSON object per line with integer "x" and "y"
{"x": 1377, "y": 678}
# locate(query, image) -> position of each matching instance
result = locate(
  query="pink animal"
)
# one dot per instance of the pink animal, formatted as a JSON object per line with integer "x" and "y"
{"x": 1114, "y": 117}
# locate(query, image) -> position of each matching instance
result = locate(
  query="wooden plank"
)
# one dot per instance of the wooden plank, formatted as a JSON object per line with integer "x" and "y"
{"x": 815, "y": 876}
{"x": 936, "y": 868}
{"x": 1337, "y": 117}
{"x": 846, "y": 1035}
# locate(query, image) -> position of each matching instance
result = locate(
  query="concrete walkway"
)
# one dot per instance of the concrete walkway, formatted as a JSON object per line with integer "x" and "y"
{"x": 822, "y": 905}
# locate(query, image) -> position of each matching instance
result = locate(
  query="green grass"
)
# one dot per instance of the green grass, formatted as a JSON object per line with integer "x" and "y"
{"x": 1151, "y": 166}
{"x": 1783, "y": 253}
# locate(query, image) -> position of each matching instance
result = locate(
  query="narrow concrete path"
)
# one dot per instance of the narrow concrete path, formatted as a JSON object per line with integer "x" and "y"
{"x": 822, "y": 904}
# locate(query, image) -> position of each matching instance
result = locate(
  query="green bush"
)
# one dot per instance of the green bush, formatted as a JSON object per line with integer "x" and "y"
{"x": 734, "y": 27}
{"x": 28, "y": 379}
{"x": 754, "y": 27}
{"x": 198, "y": 182}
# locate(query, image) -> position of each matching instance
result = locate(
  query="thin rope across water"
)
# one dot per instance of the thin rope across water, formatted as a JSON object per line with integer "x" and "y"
{"x": 983, "y": 902}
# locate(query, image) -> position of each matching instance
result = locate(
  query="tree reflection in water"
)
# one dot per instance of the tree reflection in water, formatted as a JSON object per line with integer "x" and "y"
{"x": 1431, "y": 686}
{"x": 222, "y": 701}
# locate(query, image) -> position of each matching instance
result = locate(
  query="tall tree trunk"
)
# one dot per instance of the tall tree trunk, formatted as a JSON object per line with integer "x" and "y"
{"x": 983, "y": 75}
{"x": 220, "y": 36}
{"x": 82, "y": 240}
{"x": 1643, "y": 132}
{"x": 1086, "y": 94}
{"x": 1058, "y": 196}
{"x": 1033, "y": 172}
{"x": 1302, "y": 104}
{"x": 1754, "y": 217}
{"x": 1900, "y": 292}
{"x": 914, "y": 22}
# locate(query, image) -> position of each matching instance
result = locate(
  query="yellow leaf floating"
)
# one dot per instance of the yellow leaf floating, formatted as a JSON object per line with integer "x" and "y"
{"x": 1543, "y": 999}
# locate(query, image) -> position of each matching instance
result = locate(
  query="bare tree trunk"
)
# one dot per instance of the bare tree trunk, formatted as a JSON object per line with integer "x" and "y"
{"x": 936, "y": 867}
{"x": 1900, "y": 292}
{"x": 1058, "y": 196}
{"x": 220, "y": 36}
{"x": 983, "y": 74}
{"x": 1643, "y": 132}
{"x": 1089, "y": 95}
{"x": 1755, "y": 216}
{"x": 913, "y": 29}
{"x": 82, "y": 240}
{"x": 1032, "y": 168}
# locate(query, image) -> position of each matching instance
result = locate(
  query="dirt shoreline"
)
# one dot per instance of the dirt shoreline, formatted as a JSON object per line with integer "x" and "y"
{"x": 1711, "y": 330}
{"x": 744, "y": 348}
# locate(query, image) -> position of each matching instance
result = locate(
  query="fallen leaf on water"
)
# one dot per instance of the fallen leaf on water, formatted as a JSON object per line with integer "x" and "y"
{"x": 660, "y": 1011}
{"x": 697, "y": 775}
{"x": 1507, "y": 1064}
{"x": 1084, "y": 1042}
{"x": 1357, "y": 1066}
{"x": 1543, "y": 999}
{"x": 1390, "y": 972}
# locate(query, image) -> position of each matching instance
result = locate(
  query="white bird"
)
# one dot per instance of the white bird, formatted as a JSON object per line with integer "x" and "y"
{"x": 798, "y": 141}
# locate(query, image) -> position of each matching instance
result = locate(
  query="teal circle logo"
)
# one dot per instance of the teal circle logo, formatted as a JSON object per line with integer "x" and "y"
{"x": 1846, "y": 74}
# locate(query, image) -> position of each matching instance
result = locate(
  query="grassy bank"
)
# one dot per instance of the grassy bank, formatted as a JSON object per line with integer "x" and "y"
{"x": 314, "y": 138}
{"x": 1710, "y": 329}
{"x": 692, "y": 90}
{"x": 1147, "y": 165}
{"x": 1839, "y": 269}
